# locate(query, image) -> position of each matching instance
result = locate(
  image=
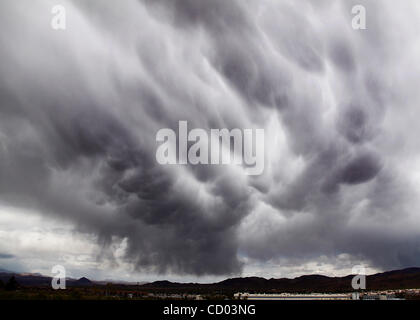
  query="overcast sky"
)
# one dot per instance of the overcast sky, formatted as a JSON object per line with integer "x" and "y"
{"x": 80, "y": 108}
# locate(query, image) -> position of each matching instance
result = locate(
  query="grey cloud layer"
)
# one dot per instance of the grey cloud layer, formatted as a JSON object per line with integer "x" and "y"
{"x": 80, "y": 110}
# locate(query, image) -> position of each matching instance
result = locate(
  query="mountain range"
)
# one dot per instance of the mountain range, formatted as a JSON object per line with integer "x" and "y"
{"x": 397, "y": 279}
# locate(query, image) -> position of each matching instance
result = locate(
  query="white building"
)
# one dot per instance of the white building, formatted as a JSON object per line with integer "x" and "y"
{"x": 289, "y": 296}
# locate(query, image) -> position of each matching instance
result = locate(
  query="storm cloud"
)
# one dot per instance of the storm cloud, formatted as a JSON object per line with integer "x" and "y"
{"x": 80, "y": 108}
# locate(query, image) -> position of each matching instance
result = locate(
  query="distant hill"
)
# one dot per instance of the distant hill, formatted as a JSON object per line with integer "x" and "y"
{"x": 397, "y": 279}
{"x": 33, "y": 279}
{"x": 82, "y": 282}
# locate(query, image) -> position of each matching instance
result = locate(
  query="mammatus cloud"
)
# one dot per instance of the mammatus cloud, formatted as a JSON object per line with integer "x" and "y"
{"x": 80, "y": 109}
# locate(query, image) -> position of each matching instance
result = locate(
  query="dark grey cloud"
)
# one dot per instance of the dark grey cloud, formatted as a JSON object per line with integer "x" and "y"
{"x": 355, "y": 125}
{"x": 359, "y": 170}
{"x": 79, "y": 114}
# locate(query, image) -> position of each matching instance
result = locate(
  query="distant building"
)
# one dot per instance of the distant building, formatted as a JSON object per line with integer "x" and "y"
{"x": 288, "y": 296}
{"x": 379, "y": 296}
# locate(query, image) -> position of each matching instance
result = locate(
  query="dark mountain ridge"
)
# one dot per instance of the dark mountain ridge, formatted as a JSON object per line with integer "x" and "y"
{"x": 32, "y": 279}
{"x": 397, "y": 279}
